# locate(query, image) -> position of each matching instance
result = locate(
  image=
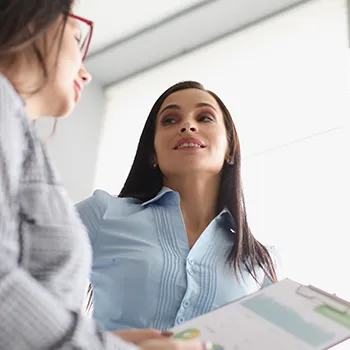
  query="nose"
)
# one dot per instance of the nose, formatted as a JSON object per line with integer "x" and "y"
{"x": 84, "y": 75}
{"x": 187, "y": 126}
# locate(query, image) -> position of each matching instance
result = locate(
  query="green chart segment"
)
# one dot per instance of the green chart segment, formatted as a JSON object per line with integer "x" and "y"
{"x": 334, "y": 315}
{"x": 193, "y": 333}
{"x": 288, "y": 320}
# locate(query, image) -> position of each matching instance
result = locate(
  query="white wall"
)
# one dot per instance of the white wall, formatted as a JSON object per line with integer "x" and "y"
{"x": 74, "y": 147}
{"x": 286, "y": 82}
{"x": 276, "y": 78}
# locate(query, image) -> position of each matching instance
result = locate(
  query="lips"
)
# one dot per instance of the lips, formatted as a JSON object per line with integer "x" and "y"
{"x": 189, "y": 143}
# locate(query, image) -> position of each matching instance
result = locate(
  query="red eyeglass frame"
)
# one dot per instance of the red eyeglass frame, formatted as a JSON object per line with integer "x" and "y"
{"x": 91, "y": 25}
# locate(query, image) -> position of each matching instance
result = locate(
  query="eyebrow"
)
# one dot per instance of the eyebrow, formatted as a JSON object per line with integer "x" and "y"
{"x": 204, "y": 104}
{"x": 170, "y": 107}
{"x": 198, "y": 105}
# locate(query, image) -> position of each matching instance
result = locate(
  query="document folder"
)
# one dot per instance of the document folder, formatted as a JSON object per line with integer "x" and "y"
{"x": 286, "y": 315}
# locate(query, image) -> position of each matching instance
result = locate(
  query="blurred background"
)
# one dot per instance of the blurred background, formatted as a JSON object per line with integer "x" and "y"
{"x": 281, "y": 67}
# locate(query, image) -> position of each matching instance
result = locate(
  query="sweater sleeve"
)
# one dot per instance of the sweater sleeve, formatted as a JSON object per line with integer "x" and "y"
{"x": 30, "y": 316}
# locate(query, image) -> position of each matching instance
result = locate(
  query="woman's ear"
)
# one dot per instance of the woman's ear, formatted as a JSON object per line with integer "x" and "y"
{"x": 154, "y": 161}
{"x": 229, "y": 159}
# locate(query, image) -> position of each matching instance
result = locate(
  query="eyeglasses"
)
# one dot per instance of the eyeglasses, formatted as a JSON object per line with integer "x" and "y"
{"x": 86, "y": 28}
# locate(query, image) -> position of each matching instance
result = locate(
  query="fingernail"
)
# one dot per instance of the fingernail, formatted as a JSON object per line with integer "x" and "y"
{"x": 207, "y": 346}
{"x": 167, "y": 334}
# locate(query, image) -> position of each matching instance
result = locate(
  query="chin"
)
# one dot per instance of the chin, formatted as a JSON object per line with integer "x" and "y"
{"x": 186, "y": 169}
{"x": 64, "y": 110}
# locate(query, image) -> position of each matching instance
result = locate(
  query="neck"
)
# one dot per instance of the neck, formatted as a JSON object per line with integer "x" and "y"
{"x": 32, "y": 107}
{"x": 24, "y": 88}
{"x": 198, "y": 198}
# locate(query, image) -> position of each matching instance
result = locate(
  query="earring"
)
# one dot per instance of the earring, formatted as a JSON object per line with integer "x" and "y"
{"x": 229, "y": 161}
{"x": 154, "y": 165}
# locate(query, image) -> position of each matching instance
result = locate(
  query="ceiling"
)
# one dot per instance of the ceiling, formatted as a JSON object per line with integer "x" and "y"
{"x": 135, "y": 35}
{"x": 115, "y": 19}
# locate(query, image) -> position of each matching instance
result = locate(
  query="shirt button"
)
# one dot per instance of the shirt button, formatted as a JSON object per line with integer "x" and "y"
{"x": 186, "y": 303}
{"x": 190, "y": 261}
{"x": 180, "y": 320}
{"x": 190, "y": 272}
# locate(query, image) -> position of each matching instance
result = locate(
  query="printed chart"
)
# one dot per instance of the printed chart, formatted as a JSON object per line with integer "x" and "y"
{"x": 285, "y": 315}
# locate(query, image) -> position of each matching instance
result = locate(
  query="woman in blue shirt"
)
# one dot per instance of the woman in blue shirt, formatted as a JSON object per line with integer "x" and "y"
{"x": 175, "y": 243}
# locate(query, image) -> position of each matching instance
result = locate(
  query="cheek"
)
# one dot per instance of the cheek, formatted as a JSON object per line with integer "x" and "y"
{"x": 159, "y": 148}
{"x": 219, "y": 139}
{"x": 156, "y": 141}
{"x": 66, "y": 72}
{"x": 221, "y": 148}
{"x": 69, "y": 59}
{"x": 162, "y": 141}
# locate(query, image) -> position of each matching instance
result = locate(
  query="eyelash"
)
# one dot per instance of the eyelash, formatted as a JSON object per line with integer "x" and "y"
{"x": 170, "y": 119}
{"x": 210, "y": 118}
{"x": 167, "y": 121}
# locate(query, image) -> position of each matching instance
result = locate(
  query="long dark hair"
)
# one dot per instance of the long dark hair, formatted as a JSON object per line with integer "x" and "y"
{"x": 23, "y": 24}
{"x": 144, "y": 182}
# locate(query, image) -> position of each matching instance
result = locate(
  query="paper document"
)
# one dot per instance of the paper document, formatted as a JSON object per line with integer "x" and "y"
{"x": 285, "y": 315}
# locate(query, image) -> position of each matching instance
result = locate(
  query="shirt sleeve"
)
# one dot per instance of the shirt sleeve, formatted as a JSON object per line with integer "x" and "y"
{"x": 30, "y": 316}
{"x": 91, "y": 210}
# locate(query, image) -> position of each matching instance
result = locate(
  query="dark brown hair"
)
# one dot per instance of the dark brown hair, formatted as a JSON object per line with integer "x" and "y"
{"x": 144, "y": 182}
{"x": 23, "y": 24}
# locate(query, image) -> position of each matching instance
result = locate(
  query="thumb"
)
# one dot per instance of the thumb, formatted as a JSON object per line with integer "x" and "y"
{"x": 138, "y": 336}
{"x": 147, "y": 334}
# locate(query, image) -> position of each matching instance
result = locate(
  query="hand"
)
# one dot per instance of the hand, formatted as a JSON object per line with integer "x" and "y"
{"x": 170, "y": 344}
{"x": 138, "y": 336}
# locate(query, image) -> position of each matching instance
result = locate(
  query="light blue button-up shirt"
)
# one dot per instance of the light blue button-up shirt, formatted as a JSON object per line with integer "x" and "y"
{"x": 144, "y": 274}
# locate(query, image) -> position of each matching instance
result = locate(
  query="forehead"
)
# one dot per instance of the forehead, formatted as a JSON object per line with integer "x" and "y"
{"x": 189, "y": 98}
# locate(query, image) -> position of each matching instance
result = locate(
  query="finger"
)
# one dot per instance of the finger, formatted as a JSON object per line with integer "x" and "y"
{"x": 146, "y": 331}
{"x": 207, "y": 346}
{"x": 169, "y": 344}
{"x": 194, "y": 345}
{"x": 154, "y": 333}
{"x": 151, "y": 333}
{"x": 167, "y": 334}
{"x": 141, "y": 335}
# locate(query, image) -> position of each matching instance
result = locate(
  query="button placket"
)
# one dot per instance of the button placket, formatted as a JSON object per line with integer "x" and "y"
{"x": 190, "y": 266}
{"x": 190, "y": 272}
{"x": 186, "y": 304}
{"x": 185, "y": 308}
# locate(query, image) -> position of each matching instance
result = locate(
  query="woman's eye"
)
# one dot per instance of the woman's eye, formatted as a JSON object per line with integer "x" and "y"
{"x": 168, "y": 121}
{"x": 206, "y": 118}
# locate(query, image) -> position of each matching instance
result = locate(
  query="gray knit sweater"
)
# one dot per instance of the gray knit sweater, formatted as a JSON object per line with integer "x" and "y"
{"x": 45, "y": 254}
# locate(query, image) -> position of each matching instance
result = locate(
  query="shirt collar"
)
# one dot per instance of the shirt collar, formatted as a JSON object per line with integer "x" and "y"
{"x": 228, "y": 218}
{"x": 225, "y": 214}
{"x": 160, "y": 195}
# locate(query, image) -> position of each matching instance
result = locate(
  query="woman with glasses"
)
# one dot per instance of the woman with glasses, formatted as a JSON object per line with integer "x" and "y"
{"x": 44, "y": 250}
